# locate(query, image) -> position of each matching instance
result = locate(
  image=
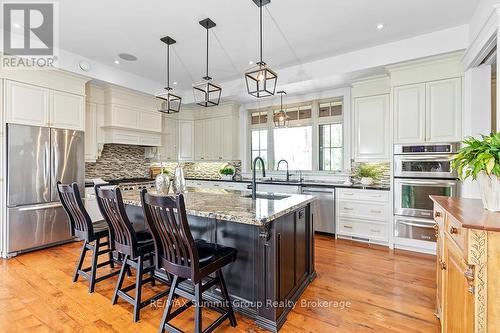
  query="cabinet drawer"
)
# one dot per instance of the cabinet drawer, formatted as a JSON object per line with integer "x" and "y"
{"x": 364, "y": 195}
{"x": 362, "y": 228}
{"x": 363, "y": 210}
{"x": 454, "y": 229}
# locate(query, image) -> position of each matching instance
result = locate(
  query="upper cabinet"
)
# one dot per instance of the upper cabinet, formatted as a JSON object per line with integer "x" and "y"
{"x": 186, "y": 140}
{"x": 371, "y": 119}
{"x": 49, "y": 99}
{"x": 67, "y": 110}
{"x": 371, "y": 128}
{"x": 409, "y": 114}
{"x": 26, "y": 104}
{"x": 444, "y": 110}
{"x": 216, "y": 138}
{"x": 428, "y": 112}
{"x": 427, "y": 100}
{"x": 169, "y": 150}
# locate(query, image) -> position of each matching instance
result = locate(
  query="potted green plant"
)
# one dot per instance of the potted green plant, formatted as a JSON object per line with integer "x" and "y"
{"x": 227, "y": 172}
{"x": 368, "y": 173}
{"x": 479, "y": 159}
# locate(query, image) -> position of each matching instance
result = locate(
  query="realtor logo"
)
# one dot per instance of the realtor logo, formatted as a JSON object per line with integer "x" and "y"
{"x": 29, "y": 35}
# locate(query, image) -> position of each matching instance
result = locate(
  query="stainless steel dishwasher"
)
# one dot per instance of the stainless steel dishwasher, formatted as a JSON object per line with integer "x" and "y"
{"x": 323, "y": 208}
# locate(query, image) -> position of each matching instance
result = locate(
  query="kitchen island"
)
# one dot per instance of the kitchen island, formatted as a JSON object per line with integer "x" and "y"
{"x": 274, "y": 238}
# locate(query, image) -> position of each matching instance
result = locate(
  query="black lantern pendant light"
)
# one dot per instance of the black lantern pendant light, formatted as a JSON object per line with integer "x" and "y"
{"x": 261, "y": 80}
{"x": 207, "y": 93}
{"x": 280, "y": 118}
{"x": 168, "y": 102}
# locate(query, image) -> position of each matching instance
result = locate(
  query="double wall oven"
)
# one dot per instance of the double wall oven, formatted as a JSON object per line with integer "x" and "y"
{"x": 421, "y": 171}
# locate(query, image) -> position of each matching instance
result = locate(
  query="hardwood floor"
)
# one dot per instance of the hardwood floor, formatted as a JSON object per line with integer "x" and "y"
{"x": 359, "y": 288}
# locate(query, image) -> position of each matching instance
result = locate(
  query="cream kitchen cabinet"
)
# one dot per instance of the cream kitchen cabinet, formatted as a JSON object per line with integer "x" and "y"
{"x": 170, "y": 139}
{"x": 371, "y": 128}
{"x": 409, "y": 113}
{"x": 26, "y": 104}
{"x": 91, "y": 152}
{"x": 428, "y": 112}
{"x": 66, "y": 110}
{"x": 215, "y": 139}
{"x": 37, "y": 106}
{"x": 444, "y": 110}
{"x": 186, "y": 140}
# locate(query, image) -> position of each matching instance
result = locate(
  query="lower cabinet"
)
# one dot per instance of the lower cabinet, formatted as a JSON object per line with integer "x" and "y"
{"x": 362, "y": 215}
{"x": 467, "y": 297}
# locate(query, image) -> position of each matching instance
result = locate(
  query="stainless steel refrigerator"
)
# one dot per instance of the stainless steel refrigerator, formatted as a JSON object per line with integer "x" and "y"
{"x": 37, "y": 157}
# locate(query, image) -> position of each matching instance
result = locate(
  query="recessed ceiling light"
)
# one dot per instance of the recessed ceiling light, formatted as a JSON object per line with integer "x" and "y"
{"x": 127, "y": 57}
{"x": 16, "y": 25}
{"x": 175, "y": 83}
{"x": 250, "y": 62}
{"x": 117, "y": 62}
{"x": 84, "y": 65}
{"x": 380, "y": 26}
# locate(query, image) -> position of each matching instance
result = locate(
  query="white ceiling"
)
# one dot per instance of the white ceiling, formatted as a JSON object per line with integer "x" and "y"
{"x": 313, "y": 29}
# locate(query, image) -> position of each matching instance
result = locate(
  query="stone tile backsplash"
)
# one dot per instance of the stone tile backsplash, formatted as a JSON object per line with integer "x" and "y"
{"x": 119, "y": 161}
{"x": 385, "y": 169}
{"x": 203, "y": 170}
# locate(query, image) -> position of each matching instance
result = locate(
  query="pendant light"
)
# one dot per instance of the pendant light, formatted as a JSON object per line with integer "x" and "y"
{"x": 261, "y": 80}
{"x": 280, "y": 118}
{"x": 168, "y": 102}
{"x": 206, "y": 92}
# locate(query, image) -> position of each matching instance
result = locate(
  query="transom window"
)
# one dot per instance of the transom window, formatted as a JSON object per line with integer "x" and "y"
{"x": 331, "y": 109}
{"x": 259, "y": 118}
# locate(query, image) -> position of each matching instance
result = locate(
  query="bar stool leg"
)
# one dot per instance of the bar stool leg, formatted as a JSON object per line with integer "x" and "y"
{"x": 80, "y": 261}
{"x": 93, "y": 267}
{"x": 197, "y": 316}
{"x": 170, "y": 303}
{"x": 152, "y": 264}
{"x": 138, "y": 288}
{"x": 110, "y": 254}
{"x": 120, "y": 280}
{"x": 227, "y": 300}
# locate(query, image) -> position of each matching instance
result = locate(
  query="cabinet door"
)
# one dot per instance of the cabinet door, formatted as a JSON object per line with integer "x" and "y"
{"x": 26, "y": 104}
{"x": 169, "y": 142}
{"x": 186, "y": 140}
{"x": 409, "y": 114}
{"x": 67, "y": 111}
{"x": 371, "y": 128}
{"x": 459, "y": 302}
{"x": 229, "y": 138}
{"x": 200, "y": 145}
{"x": 444, "y": 110}
{"x": 90, "y": 132}
{"x": 216, "y": 139}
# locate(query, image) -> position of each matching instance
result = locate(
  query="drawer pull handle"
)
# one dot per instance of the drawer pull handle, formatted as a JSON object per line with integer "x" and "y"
{"x": 376, "y": 211}
{"x": 348, "y": 193}
{"x": 348, "y": 226}
{"x": 347, "y": 208}
{"x": 436, "y": 227}
{"x": 469, "y": 274}
{"x": 442, "y": 264}
{"x": 453, "y": 230}
{"x": 437, "y": 214}
{"x": 374, "y": 230}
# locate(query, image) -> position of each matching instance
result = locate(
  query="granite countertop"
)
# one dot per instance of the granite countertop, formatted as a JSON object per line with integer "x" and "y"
{"x": 304, "y": 183}
{"x": 469, "y": 212}
{"x": 231, "y": 205}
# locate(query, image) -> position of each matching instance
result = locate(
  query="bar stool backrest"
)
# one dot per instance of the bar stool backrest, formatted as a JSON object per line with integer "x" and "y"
{"x": 81, "y": 223}
{"x": 110, "y": 202}
{"x": 174, "y": 244}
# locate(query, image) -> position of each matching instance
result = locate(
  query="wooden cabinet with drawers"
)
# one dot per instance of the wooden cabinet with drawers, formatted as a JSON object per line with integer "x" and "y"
{"x": 468, "y": 266}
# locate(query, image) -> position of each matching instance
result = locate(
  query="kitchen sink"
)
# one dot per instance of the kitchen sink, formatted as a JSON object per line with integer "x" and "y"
{"x": 268, "y": 196}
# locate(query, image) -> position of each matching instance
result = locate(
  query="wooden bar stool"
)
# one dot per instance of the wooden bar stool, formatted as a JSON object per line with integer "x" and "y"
{"x": 186, "y": 259}
{"x": 91, "y": 233}
{"x": 136, "y": 247}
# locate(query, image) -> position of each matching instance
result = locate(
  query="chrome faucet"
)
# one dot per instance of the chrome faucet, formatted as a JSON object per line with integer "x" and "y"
{"x": 254, "y": 181}
{"x": 287, "y": 171}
